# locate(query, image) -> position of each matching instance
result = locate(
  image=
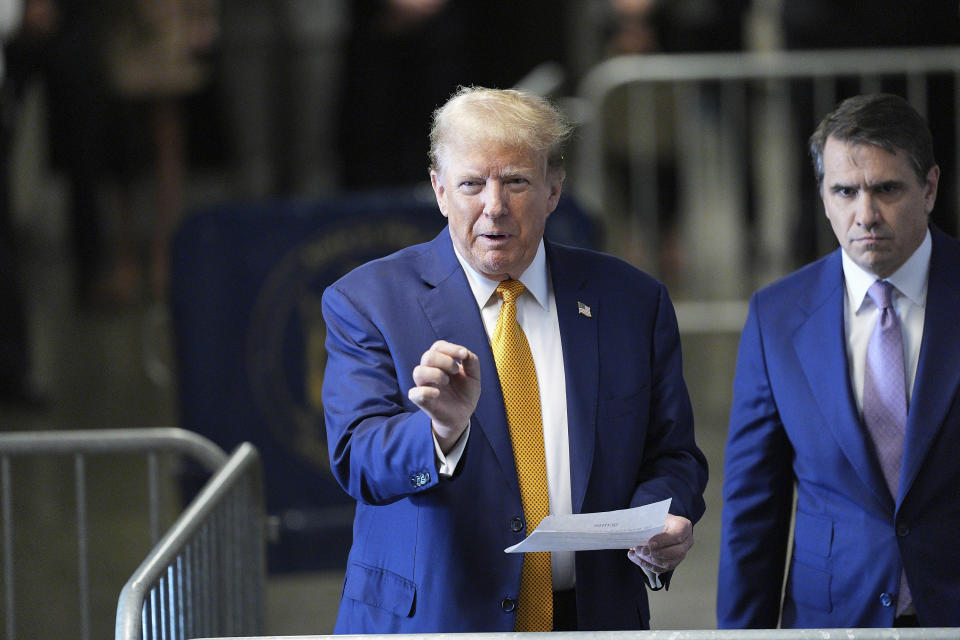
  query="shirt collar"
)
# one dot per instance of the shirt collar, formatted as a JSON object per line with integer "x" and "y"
{"x": 910, "y": 279}
{"x": 534, "y": 279}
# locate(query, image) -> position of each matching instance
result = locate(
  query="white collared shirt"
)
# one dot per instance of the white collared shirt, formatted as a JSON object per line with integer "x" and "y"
{"x": 860, "y": 314}
{"x": 537, "y": 315}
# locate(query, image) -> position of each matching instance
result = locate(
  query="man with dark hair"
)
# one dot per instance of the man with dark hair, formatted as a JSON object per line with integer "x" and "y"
{"x": 847, "y": 392}
{"x": 480, "y": 381}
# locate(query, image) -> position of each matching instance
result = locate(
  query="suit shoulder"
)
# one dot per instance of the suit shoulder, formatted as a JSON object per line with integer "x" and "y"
{"x": 383, "y": 270}
{"x": 794, "y": 285}
{"x": 946, "y": 247}
{"x": 603, "y": 267}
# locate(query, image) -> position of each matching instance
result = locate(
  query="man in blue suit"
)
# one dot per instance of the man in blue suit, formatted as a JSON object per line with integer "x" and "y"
{"x": 870, "y": 445}
{"x": 417, "y": 423}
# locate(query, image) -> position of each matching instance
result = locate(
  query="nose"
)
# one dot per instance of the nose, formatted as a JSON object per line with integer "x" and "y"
{"x": 868, "y": 210}
{"x": 494, "y": 201}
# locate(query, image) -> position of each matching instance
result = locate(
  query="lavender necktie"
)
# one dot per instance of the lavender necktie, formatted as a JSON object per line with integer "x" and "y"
{"x": 885, "y": 398}
{"x": 884, "y": 392}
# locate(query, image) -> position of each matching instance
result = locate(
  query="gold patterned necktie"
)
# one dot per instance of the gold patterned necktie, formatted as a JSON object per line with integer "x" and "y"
{"x": 521, "y": 397}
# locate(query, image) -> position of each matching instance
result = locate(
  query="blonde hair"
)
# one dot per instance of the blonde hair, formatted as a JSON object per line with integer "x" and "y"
{"x": 506, "y": 117}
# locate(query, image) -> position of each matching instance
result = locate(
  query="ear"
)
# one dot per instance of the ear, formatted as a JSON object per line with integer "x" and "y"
{"x": 930, "y": 188}
{"x": 555, "y": 182}
{"x": 439, "y": 191}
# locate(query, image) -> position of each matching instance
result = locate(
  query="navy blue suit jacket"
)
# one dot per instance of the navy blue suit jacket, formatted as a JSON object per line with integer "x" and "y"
{"x": 427, "y": 552}
{"x": 794, "y": 421}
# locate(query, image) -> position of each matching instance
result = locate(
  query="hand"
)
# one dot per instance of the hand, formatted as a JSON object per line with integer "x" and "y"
{"x": 665, "y": 550}
{"x": 448, "y": 388}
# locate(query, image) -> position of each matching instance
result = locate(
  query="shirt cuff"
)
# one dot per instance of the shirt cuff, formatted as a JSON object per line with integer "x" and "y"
{"x": 653, "y": 579}
{"x": 447, "y": 464}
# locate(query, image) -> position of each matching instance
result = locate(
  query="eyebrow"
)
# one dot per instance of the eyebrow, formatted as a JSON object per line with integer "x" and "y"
{"x": 837, "y": 186}
{"x": 507, "y": 172}
{"x": 886, "y": 183}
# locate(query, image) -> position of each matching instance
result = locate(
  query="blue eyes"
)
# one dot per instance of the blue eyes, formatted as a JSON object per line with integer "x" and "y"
{"x": 480, "y": 183}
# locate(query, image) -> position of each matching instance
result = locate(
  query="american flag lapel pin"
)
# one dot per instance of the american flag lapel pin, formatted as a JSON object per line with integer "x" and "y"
{"x": 583, "y": 309}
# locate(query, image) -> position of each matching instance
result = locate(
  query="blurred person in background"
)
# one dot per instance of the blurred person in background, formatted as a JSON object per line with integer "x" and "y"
{"x": 403, "y": 58}
{"x": 155, "y": 58}
{"x": 14, "y": 341}
{"x": 633, "y": 27}
{"x": 59, "y": 44}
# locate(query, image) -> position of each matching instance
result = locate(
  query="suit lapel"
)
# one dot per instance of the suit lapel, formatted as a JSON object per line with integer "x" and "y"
{"x": 820, "y": 344}
{"x": 579, "y": 336}
{"x": 452, "y": 311}
{"x": 938, "y": 376}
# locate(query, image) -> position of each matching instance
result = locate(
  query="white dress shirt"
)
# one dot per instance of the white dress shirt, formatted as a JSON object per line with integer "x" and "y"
{"x": 860, "y": 314}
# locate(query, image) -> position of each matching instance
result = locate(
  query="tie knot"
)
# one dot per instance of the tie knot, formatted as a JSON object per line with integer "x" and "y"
{"x": 880, "y": 292}
{"x": 510, "y": 290}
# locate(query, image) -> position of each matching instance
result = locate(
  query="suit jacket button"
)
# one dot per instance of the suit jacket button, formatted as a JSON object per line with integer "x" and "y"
{"x": 508, "y": 604}
{"x": 903, "y": 530}
{"x": 886, "y": 599}
{"x": 516, "y": 524}
{"x": 419, "y": 479}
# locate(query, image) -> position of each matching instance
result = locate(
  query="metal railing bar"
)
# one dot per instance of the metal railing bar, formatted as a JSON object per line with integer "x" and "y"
{"x": 917, "y": 92}
{"x": 824, "y": 97}
{"x": 181, "y": 602}
{"x": 152, "y": 607}
{"x": 161, "y": 592}
{"x": 171, "y": 602}
{"x": 159, "y": 439}
{"x": 192, "y": 611}
{"x": 204, "y": 583}
{"x": 870, "y": 84}
{"x": 83, "y": 568}
{"x": 818, "y": 76}
{"x": 9, "y": 593}
{"x": 678, "y": 67}
{"x": 153, "y": 493}
{"x": 244, "y": 460}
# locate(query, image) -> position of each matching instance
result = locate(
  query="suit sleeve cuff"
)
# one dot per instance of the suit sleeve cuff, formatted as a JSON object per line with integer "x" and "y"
{"x": 447, "y": 464}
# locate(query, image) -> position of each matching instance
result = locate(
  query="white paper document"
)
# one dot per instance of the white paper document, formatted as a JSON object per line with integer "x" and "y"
{"x": 619, "y": 529}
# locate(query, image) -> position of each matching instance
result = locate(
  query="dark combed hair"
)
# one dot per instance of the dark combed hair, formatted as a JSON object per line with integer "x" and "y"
{"x": 879, "y": 119}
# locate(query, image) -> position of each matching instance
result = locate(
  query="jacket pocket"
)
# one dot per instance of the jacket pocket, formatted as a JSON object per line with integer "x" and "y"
{"x": 810, "y": 586}
{"x": 380, "y": 588}
{"x": 810, "y": 574}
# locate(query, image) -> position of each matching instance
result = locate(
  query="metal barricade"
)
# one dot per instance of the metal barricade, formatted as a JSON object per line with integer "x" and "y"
{"x": 206, "y": 576}
{"x": 80, "y": 445}
{"x": 715, "y": 136}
